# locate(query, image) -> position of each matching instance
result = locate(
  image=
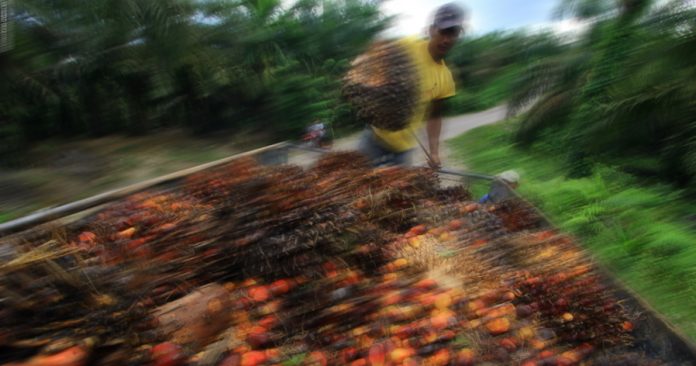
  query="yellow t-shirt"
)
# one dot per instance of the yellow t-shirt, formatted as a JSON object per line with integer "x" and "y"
{"x": 436, "y": 82}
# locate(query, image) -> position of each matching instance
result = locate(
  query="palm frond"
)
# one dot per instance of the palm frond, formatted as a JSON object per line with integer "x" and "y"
{"x": 553, "y": 109}
{"x": 549, "y": 75}
{"x": 584, "y": 9}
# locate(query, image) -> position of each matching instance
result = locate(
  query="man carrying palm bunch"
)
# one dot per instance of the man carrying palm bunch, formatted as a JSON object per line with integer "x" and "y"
{"x": 435, "y": 84}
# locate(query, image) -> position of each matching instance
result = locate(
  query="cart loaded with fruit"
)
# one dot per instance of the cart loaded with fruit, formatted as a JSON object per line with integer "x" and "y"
{"x": 245, "y": 263}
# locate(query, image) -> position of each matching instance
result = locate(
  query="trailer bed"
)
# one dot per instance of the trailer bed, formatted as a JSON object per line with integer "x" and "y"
{"x": 651, "y": 336}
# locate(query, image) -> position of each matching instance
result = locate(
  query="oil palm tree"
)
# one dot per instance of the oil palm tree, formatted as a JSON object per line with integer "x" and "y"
{"x": 570, "y": 88}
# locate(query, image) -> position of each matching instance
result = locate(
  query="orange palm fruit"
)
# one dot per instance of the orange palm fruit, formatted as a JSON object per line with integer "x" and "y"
{"x": 418, "y": 230}
{"x": 509, "y": 344}
{"x": 475, "y": 305}
{"x": 546, "y": 353}
{"x": 443, "y": 320}
{"x": 259, "y": 293}
{"x": 376, "y": 355}
{"x": 398, "y": 355}
{"x": 443, "y": 301}
{"x": 469, "y": 208}
{"x": 502, "y": 310}
{"x": 498, "y": 325}
{"x": 426, "y": 284}
{"x": 440, "y": 358}
{"x": 455, "y": 224}
{"x": 77, "y": 356}
{"x": 87, "y": 236}
{"x": 126, "y": 234}
{"x": 280, "y": 287}
{"x": 465, "y": 357}
{"x": 163, "y": 354}
{"x": 253, "y": 358}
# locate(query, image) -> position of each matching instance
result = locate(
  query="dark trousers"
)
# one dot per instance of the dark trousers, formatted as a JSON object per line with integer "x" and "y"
{"x": 378, "y": 154}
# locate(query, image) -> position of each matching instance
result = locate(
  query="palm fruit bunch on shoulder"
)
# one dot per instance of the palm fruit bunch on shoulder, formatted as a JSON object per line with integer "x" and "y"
{"x": 382, "y": 86}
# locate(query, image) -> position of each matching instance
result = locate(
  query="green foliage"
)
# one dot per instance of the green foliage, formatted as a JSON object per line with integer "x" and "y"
{"x": 609, "y": 111}
{"x": 644, "y": 232}
{"x": 4, "y": 217}
{"x": 133, "y": 67}
{"x": 295, "y": 360}
{"x": 622, "y": 95}
{"x": 583, "y": 8}
{"x": 486, "y": 68}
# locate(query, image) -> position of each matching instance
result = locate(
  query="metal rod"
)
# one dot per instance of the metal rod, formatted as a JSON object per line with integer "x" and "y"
{"x": 465, "y": 174}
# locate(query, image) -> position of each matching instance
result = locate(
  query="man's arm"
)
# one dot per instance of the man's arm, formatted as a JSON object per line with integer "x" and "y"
{"x": 433, "y": 128}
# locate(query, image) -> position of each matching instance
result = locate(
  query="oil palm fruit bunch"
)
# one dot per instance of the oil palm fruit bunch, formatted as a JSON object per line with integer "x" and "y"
{"x": 382, "y": 86}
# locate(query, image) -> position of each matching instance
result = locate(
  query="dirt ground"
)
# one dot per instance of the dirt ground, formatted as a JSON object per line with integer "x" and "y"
{"x": 56, "y": 173}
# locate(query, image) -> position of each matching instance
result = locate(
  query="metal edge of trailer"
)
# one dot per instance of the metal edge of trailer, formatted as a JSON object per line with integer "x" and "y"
{"x": 277, "y": 153}
{"x": 677, "y": 342}
{"x": 54, "y": 213}
{"x": 663, "y": 334}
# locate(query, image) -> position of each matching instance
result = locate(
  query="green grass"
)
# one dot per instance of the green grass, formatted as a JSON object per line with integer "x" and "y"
{"x": 47, "y": 179}
{"x": 644, "y": 233}
{"x": 6, "y": 216}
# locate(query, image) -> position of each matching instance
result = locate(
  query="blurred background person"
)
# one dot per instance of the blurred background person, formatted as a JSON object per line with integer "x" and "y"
{"x": 315, "y": 135}
{"x": 502, "y": 187}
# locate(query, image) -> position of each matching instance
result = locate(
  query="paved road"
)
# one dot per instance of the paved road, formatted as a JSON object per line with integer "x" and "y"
{"x": 451, "y": 127}
{"x": 455, "y": 126}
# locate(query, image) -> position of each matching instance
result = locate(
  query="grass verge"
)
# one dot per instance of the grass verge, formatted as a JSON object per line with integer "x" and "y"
{"x": 644, "y": 233}
{"x": 58, "y": 172}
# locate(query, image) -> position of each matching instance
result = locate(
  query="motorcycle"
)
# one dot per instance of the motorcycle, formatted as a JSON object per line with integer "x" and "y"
{"x": 317, "y": 139}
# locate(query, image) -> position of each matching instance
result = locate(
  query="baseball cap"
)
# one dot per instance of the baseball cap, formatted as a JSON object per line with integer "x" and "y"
{"x": 448, "y": 16}
{"x": 509, "y": 176}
